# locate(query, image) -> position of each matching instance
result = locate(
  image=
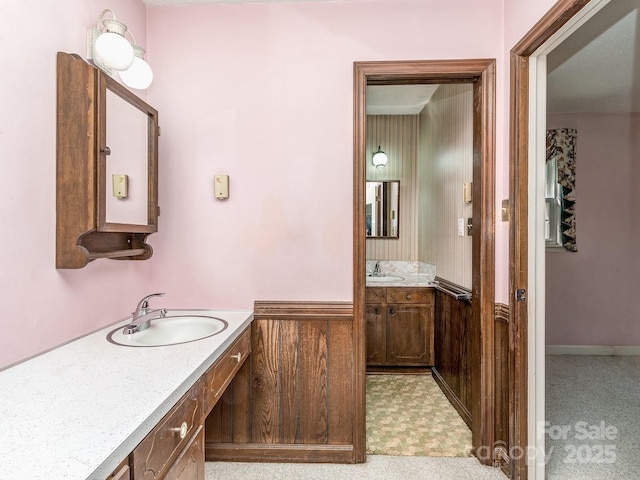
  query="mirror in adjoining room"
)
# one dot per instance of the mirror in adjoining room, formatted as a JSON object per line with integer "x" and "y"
{"x": 382, "y": 209}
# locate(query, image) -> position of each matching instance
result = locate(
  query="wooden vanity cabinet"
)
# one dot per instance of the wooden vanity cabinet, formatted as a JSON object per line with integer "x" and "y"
{"x": 399, "y": 326}
{"x": 190, "y": 463}
{"x": 174, "y": 449}
{"x": 157, "y": 454}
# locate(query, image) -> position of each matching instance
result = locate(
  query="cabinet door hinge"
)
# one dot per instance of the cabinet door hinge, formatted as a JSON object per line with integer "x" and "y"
{"x": 521, "y": 295}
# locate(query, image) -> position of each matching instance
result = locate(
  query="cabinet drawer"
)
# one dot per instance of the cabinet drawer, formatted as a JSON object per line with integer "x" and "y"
{"x": 374, "y": 294}
{"x": 223, "y": 371}
{"x": 156, "y": 452}
{"x": 190, "y": 463}
{"x": 423, "y": 296}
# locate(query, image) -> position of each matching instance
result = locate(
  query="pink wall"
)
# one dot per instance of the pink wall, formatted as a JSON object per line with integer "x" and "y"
{"x": 591, "y": 295}
{"x": 40, "y": 306}
{"x": 262, "y": 92}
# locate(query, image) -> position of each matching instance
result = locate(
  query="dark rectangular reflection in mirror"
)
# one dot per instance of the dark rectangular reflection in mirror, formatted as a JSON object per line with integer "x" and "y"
{"x": 382, "y": 209}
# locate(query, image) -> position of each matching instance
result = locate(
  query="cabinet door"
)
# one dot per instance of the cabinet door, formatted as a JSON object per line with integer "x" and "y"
{"x": 190, "y": 464}
{"x": 375, "y": 331}
{"x": 409, "y": 335}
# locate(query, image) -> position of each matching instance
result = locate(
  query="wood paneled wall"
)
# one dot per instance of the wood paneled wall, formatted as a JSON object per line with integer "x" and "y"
{"x": 456, "y": 358}
{"x": 445, "y": 163}
{"x": 456, "y": 355}
{"x": 296, "y": 400}
{"x": 397, "y": 135}
{"x": 503, "y": 387}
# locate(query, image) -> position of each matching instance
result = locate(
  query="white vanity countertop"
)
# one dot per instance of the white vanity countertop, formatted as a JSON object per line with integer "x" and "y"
{"x": 77, "y": 411}
{"x": 408, "y": 280}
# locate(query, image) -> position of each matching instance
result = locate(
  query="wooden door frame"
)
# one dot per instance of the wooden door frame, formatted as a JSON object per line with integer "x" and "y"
{"x": 480, "y": 72}
{"x": 556, "y": 18}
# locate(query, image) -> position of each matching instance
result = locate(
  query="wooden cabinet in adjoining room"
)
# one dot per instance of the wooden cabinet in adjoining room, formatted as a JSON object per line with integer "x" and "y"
{"x": 399, "y": 326}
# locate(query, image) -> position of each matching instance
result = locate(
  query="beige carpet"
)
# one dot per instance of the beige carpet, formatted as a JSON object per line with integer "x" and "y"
{"x": 409, "y": 415}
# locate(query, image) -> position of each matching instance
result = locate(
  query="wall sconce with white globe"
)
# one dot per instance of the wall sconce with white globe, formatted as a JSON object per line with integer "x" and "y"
{"x": 111, "y": 52}
{"x": 379, "y": 158}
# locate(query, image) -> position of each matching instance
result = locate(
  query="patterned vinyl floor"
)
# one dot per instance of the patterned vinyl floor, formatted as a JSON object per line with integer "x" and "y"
{"x": 409, "y": 415}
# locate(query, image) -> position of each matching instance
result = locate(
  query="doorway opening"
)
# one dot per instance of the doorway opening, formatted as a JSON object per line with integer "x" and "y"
{"x": 481, "y": 74}
{"x": 527, "y": 222}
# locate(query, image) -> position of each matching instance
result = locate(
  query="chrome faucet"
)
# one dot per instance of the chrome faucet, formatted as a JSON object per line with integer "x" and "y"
{"x": 142, "y": 316}
{"x": 377, "y": 272}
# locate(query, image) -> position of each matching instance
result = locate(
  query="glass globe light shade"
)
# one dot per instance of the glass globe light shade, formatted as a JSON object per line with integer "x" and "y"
{"x": 139, "y": 75}
{"x": 379, "y": 159}
{"x": 113, "y": 50}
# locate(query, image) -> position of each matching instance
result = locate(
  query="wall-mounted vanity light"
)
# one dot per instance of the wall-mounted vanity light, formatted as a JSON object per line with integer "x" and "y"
{"x": 111, "y": 52}
{"x": 379, "y": 158}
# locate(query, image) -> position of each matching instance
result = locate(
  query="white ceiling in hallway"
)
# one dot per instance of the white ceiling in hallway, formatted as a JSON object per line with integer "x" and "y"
{"x": 597, "y": 68}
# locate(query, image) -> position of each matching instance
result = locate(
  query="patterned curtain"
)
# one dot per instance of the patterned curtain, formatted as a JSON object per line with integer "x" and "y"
{"x": 561, "y": 146}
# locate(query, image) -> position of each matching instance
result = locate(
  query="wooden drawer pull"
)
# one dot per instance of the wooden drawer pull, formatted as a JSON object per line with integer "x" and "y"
{"x": 237, "y": 356}
{"x": 182, "y": 429}
{"x": 408, "y": 296}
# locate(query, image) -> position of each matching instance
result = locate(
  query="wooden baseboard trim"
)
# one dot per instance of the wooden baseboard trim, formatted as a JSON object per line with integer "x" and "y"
{"x": 452, "y": 397}
{"x": 261, "y": 452}
{"x": 377, "y": 370}
{"x": 591, "y": 350}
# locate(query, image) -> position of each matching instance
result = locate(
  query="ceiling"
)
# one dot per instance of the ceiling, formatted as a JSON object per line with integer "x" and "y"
{"x": 159, "y": 3}
{"x": 398, "y": 99}
{"x": 596, "y": 69}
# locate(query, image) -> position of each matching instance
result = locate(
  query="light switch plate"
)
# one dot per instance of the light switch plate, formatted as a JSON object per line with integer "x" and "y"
{"x": 120, "y": 184}
{"x": 221, "y": 186}
{"x": 505, "y": 210}
{"x": 461, "y": 227}
{"x": 467, "y": 192}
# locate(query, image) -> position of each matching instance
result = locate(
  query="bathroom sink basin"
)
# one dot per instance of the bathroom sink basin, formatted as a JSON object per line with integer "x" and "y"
{"x": 170, "y": 330}
{"x": 384, "y": 278}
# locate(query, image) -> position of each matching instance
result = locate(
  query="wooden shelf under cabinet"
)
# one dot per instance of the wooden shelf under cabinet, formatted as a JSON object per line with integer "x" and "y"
{"x": 399, "y": 326}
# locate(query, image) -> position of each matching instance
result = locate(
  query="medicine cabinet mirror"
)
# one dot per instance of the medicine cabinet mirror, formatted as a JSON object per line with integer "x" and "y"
{"x": 382, "y": 209}
{"x": 107, "y": 167}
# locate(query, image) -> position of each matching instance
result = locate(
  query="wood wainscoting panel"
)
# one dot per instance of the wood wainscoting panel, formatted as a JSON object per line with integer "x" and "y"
{"x": 502, "y": 388}
{"x": 296, "y": 398}
{"x": 454, "y": 352}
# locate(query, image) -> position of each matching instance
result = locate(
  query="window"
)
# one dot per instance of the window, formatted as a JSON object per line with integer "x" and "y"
{"x": 553, "y": 205}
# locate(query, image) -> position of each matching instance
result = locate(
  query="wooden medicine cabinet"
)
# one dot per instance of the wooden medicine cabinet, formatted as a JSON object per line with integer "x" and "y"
{"x": 107, "y": 167}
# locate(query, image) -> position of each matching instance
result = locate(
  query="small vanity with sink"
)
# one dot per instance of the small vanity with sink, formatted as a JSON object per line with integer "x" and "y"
{"x": 94, "y": 408}
{"x": 399, "y": 315}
